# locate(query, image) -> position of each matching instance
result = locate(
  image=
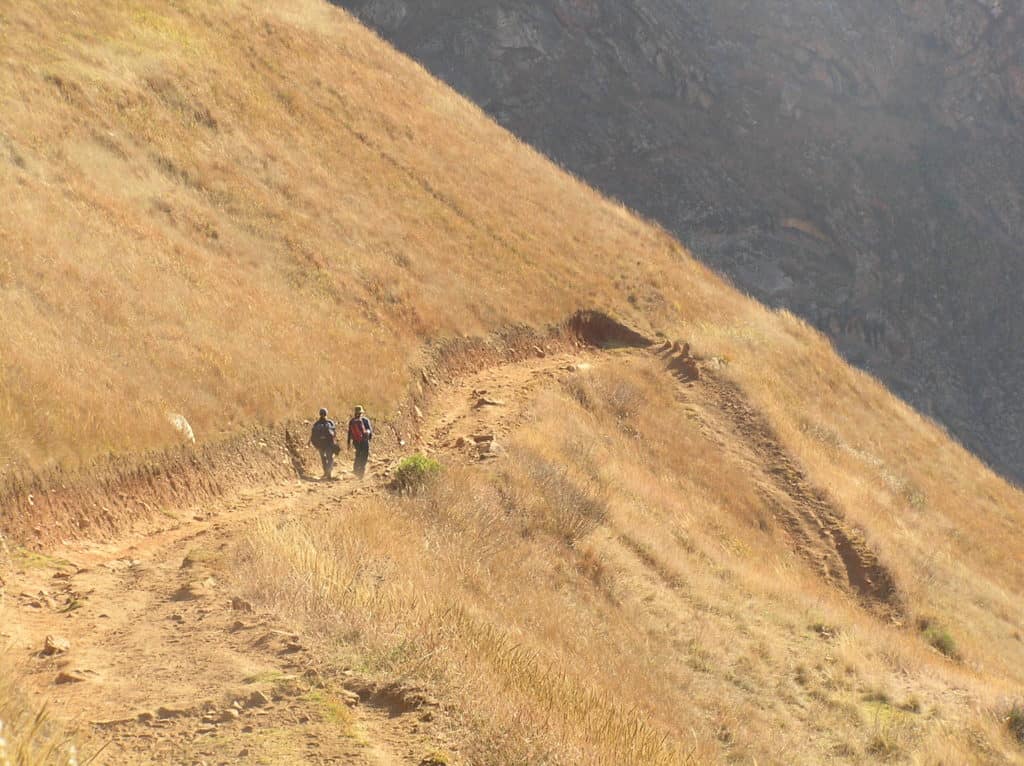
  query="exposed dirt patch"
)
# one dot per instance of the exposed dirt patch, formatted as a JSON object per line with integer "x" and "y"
{"x": 165, "y": 679}
{"x": 815, "y": 524}
{"x": 105, "y": 498}
{"x": 680, "y": 361}
{"x": 602, "y": 331}
{"x": 395, "y": 699}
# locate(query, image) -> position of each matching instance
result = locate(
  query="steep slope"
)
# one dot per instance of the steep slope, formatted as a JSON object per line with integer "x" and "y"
{"x": 730, "y": 546}
{"x": 859, "y": 163}
{"x": 234, "y": 215}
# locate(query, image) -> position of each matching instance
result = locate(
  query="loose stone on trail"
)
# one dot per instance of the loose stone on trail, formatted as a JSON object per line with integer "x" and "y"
{"x": 55, "y": 645}
{"x": 483, "y": 401}
{"x": 165, "y": 712}
{"x": 257, "y": 699}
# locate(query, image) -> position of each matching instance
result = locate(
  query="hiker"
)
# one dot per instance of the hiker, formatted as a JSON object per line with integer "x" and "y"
{"x": 324, "y": 439}
{"x": 360, "y": 432}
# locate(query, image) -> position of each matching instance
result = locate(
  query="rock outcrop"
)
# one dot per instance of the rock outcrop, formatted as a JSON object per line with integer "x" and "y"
{"x": 860, "y": 163}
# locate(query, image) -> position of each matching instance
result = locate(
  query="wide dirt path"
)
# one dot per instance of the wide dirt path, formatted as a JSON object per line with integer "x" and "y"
{"x": 167, "y": 665}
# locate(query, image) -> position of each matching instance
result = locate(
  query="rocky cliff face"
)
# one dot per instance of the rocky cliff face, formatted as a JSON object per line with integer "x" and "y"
{"x": 861, "y": 163}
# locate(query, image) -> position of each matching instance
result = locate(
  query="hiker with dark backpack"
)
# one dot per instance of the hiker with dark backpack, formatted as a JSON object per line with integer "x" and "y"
{"x": 324, "y": 438}
{"x": 360, "y": 432}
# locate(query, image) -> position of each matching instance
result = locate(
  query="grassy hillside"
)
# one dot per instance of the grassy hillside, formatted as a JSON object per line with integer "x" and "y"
{"x": 238, "y": 212}
{"x": 595, "y": 600}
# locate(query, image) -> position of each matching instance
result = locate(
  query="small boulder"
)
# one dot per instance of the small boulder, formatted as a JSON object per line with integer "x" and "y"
{"x": 54, "y": 645}
{"x": 165, "y": 712}
{"x": 489, "y": 449}
{"x": 257, "y": 699}
{"x": 484, "y": 401}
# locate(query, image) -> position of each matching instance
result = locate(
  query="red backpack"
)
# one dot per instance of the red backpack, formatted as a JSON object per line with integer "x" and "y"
{"x": 357, "y": 430}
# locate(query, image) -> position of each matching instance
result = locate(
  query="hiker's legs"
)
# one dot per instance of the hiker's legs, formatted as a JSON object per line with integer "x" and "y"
{"x": 327, "y": 460}
{"x": 362, "y": 456}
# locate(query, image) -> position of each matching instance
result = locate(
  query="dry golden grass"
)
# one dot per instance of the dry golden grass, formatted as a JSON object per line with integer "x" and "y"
{"x": 601, "y": 599}
{"x": 27, "y": 736}
{"x": 238, "y": 211}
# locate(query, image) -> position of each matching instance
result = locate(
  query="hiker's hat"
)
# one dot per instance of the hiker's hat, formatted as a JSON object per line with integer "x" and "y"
{"x": 359, "y": 409}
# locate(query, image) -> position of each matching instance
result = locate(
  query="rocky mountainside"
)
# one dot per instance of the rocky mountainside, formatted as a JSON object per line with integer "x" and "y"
{"x": 860, "y": 163}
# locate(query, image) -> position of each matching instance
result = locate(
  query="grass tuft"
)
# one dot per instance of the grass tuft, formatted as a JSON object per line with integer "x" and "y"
{"x": 1015, "y": 722}
{"x": 28, "y": 735}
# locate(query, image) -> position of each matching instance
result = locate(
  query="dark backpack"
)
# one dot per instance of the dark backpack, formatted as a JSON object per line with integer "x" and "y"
{"x": 358, "y": 430}
{"x": 323, "y": 434}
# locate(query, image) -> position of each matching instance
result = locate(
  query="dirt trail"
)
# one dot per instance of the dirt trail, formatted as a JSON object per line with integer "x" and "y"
{"x": 816, "y": 525}
{"x": 167, "y": 666}
{"x": 163, "y": 664}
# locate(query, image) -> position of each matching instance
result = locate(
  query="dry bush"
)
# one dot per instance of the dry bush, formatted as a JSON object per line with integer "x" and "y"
{"x": 28, "y": 737}
{"x": 1015, "y": 722}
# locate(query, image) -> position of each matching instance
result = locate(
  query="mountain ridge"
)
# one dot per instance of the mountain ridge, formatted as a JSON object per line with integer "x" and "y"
{"x": 890, "y": 128}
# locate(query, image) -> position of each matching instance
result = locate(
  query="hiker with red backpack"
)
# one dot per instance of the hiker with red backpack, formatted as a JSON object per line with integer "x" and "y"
{"x": 360, "y": 432}
{"x": 324, "y": 439}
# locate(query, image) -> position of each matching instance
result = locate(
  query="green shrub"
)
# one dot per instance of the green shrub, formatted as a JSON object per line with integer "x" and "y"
{"x": 414, "y": 472}
{"x": 939, "y": 637}
{"x": 1015, "y": 722}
